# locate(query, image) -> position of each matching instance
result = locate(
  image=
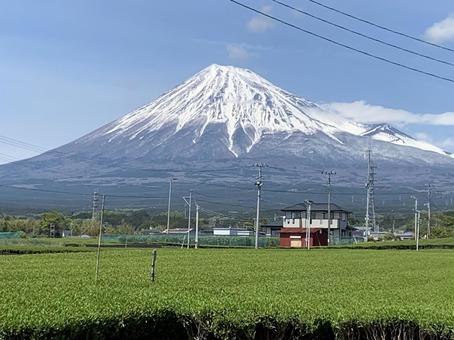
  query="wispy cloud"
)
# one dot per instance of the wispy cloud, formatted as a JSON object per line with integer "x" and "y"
{"x": 238, "y": 52}
{"x": 444, "y": 143}
{"x": 448, "y": 143}
{"x": 363, "y": 112}
{"x": 259, "y": 23}
{"x": 442, "y": 31}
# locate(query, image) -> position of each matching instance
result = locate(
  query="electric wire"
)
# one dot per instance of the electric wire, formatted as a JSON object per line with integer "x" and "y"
{"x": 371, "y": 55}
{"x": 380, "y": 41}
{"x": 369, "y": 22}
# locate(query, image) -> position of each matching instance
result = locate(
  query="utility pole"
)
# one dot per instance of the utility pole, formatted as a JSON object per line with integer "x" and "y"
{"x": 429, "y": 213}
{"x": 308, "y": 227}
{"x": 259, "y": 184}
{"x": 100, "y": 236}
{"x": 189, "y": 217}
{"x": 196, "y": 242}
{"x": 168, "y": 204}
{"x": 417, "y": 212}
{"x": 370, "y": 204}
{"x": 188, "y": 201}
{"x": 417, "y": 230}
{"x": 329, "y": 174}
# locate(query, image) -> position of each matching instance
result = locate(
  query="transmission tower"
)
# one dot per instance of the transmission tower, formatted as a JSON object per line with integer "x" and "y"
{"x": 95, "y": 204}
{"x": 370, "y": 202}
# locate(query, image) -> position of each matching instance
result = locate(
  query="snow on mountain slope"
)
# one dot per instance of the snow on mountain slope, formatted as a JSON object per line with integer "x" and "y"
{"x": 236, "y": 97}
{"x": 387, "y": 133}
{"x": 248, "y": 106}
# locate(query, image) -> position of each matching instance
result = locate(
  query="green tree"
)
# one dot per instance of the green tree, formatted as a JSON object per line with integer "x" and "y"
{"x": 55, "y": 219}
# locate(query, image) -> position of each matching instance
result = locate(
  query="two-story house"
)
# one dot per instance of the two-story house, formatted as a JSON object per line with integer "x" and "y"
{"x": 297, "y": 224}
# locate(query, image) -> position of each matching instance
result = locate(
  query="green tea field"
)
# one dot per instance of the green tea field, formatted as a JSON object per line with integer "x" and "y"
{"x": 229, "y": 293}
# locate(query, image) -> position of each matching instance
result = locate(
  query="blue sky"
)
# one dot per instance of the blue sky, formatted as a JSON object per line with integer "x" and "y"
{"x": 68, "y": 67}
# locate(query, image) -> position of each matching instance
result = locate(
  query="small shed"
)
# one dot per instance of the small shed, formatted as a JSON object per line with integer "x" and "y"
{"x": 296, "y": 237}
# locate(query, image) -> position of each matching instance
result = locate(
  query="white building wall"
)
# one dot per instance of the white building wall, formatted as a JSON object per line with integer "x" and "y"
{"x": 292, "y": 223}
{"x": 316, "y": 223}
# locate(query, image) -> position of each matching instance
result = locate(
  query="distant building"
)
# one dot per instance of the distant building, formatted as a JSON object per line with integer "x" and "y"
{"x": 219, "y": 231}
{"x": 296, "y": 222}
{"x": 177, "y": 231}
{"x": 271, "y": 229}
{"x": 406, "y": 235}
{"x": 362, "y": 232}
{"x": 67, "y": 233}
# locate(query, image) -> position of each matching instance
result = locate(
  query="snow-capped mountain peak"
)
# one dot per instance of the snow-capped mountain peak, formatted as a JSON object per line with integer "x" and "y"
{"x": 244, "y": 107}
{"x": 236, "y": 97}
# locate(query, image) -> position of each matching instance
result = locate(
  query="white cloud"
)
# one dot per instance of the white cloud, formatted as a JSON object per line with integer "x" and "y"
{"x": 447, "y": 143}
{"x": 238, "y": 52}
{"x": 260, "y": 23}
{"x": 423, "y": 136}
{"x": 363, "y": 112}
{"x": 441, "y": 31}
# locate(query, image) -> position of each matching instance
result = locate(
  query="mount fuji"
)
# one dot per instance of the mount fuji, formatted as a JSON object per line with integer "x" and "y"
{"x": 213, "y": 127}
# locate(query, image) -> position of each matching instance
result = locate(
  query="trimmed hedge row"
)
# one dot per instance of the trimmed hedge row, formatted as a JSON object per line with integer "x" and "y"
{"x": 23, "y": 250}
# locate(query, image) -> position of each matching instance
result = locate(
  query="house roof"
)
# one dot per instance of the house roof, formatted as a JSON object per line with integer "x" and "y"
{"x": 314, "y": 207}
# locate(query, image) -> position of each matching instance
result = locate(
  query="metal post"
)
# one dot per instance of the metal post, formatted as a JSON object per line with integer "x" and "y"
{"x": 196, "y": 241}
{"x": 308, "y": 228}
{"x": 189, "y": 218}
{"x": 259, "y": 184}
{"x": 329, "y": 213}
{"x": 429, "y": 213}
{"x": 416, "y": 222}
{"x": 153, "y": 265}
{"x": 416, "y": 217}
{"x": 99, "y": 237}
{"x": 257, "y": 220}
{"x": 417, "y": 230}
{"x": 329, "y": 174}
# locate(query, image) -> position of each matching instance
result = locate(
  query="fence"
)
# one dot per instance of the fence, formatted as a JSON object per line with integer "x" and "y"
{"x": 10, "y": 235}
{"x": 343, "y": 241}
{"x": 204, "y": 240}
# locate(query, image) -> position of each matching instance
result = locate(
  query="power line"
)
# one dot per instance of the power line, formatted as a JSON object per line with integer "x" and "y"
{"x": 224, "y": 203}
{"x": 374, "y": 56}
{"x": 337, "y": 193}
{"x": 136, "y": 196}
{"x": 45, "y": 190}
{"x": 4, "y": 155}
{"x": 208, "y": 211}
{"x": 298, "y": 192}
{"x": 381, "y": 26}
{"x": 363, "y": 35}
{"x": 20, "y": 144}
